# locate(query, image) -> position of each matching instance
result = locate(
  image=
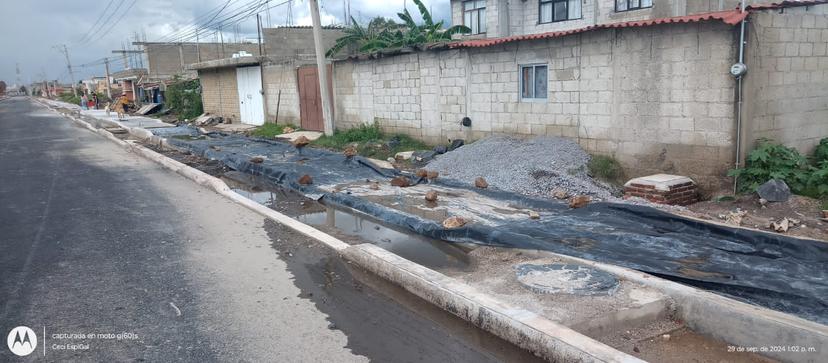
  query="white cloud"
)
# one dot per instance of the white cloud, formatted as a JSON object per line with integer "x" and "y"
{"x": 31, "y": 28}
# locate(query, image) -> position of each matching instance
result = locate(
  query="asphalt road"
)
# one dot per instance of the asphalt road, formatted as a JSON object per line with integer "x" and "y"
{"x": 108, "y": 257}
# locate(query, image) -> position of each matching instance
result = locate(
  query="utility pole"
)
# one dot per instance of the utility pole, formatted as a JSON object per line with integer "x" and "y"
{"x": 65, "y": 52}
{"x": 322, "y": 68}
{"x": 259, "y": 33}
{"x": 108, "y": 86}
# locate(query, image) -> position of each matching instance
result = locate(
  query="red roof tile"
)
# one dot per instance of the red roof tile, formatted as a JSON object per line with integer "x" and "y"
{"x": 731, "y": 17}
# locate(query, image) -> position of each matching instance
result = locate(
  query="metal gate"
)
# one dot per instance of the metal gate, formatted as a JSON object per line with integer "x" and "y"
{"x": 310, "y": 99}
{"x": 251, "y": 100}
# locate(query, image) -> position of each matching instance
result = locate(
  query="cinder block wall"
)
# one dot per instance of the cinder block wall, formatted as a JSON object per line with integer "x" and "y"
{"x": 296, "y": 41}
{"x": 165, "y": 59}
{"x": 281, "y": 77}
{"x": 220, "y": 94}
{"x": 786, "y": 88}
{"x": 660, "y": 99}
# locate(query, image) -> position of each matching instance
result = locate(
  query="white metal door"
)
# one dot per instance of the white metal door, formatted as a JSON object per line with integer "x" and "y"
{"x": 251, "y": 100}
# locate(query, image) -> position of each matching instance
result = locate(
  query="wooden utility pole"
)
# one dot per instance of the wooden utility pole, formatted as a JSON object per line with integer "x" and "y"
{"x": 63, "y": 49}
{"x": 108, "y": 86}
{"x": 322, "y": 68}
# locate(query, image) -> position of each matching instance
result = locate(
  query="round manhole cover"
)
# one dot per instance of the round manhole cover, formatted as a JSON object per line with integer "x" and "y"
{"x": 565, "y": 278}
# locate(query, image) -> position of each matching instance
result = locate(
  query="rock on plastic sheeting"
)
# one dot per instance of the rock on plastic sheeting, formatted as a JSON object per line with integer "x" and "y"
{"x": 778, "y": 272}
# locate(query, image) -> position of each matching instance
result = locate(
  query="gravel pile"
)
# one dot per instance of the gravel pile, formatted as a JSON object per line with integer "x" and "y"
{"x": 530, "y": 167}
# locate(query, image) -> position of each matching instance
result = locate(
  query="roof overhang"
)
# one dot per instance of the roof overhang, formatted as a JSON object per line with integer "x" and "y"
{"x": 731, "y": 17}
{"x": 226, "y": 63}
{"x": 129, "y": 74}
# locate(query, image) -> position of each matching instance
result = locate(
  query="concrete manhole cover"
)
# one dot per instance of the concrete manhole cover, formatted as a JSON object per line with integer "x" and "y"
{"x": 565, "y": 278}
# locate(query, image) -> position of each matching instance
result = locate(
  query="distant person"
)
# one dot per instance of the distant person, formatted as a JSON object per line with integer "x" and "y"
{"x": 84, "y": 102}
{"x": 95, "y": 101}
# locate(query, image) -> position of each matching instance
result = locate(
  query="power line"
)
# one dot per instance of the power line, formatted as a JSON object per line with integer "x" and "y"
{"x": 107, "y": 21}
{"x": 197, "y": 29}
{"x": 190, "y": 27}
{"x": 100, "y": 17}
{"x": 126, "y": 11}
{"x": 242, "y": 14}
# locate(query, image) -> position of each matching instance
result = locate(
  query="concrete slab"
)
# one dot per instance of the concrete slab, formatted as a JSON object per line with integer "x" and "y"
{"x": 624, "y": 306}
{"x": 311, "y": 135}
{"x": 663, "y": 182}
{"x": 382, "y": 164}
{"x": 129, "y": 121}
{"x": 233, "y": 127}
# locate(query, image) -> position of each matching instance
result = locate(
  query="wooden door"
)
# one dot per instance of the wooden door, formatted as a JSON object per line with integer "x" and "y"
{"x": 310, "y": 99}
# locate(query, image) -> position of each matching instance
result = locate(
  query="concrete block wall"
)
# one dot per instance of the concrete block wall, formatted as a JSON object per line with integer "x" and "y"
{"x": 786, "y": 97}
{"x": 286, "y": 42}
{"x": 660, "y": 99}
{"x": 165, "y": 60}
{"x": 220, "y": 95}
{"x": 281, "y": 77}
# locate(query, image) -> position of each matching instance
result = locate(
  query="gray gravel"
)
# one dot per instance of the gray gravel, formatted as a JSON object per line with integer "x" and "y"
{"x": 530, "y": 167}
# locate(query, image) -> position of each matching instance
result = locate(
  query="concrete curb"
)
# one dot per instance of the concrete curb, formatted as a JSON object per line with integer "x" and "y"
{"x": 528, "y": 330}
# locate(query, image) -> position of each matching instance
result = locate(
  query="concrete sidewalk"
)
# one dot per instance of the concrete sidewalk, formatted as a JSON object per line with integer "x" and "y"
{"x": 129, "y": 121}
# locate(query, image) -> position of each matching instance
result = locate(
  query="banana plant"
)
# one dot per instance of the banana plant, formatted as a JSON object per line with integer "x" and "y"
{"x": 409, "y": 35}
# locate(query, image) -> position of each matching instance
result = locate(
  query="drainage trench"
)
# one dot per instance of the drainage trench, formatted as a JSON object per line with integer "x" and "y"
{"x": 350, "y": 225}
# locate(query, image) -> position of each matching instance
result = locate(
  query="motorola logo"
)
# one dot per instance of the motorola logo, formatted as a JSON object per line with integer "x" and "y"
{"x": 22, "y": 341}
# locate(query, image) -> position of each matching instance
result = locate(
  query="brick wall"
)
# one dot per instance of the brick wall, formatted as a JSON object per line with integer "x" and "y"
{"x": 659, "y": 99}
{"x": 786, "y": 97}
{"x": 220, "y": 94}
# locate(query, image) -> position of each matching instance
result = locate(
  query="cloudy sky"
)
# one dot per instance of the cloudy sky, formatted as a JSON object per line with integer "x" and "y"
{"x": 33, "y": 31}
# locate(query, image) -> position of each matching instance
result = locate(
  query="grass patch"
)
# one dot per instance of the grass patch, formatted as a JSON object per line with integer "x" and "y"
{"x": 268, "y": 130}
{"x": 371, "y": 141}
{"x": 605, "y": 168}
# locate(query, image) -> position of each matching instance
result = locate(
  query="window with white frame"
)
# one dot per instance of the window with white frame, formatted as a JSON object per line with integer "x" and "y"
{"x": 550, "y": 11}
{"x": 474, "y": 15}
{"x": 626, "y": 5}
{"x": 533, "y": 85}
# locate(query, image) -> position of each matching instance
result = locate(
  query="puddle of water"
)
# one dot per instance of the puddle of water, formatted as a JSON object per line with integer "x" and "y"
{"x": 424, "y": 251}
{"x": 427, "y": 252}
{"x": 188, "y": 137}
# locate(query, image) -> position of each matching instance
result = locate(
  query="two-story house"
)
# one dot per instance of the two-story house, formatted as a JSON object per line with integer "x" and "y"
{"x": 649, "y": 82}
{"x": 503, "y": 18}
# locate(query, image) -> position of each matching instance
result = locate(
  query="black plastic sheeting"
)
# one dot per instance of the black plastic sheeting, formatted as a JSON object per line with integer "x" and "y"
{"x": 782, "y": 273}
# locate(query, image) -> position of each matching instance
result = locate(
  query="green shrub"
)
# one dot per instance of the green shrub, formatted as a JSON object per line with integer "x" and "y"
{"x": 821, "y": 151}
{"x": 69, "y": 97}
{"x": 360, "y": 134}
{"x": 268, "y": 130}
{"x": 372, "y": 142}
{"x": 771, "y": 161}
{"x": 605, "y": 168}
{"x": 184, "y": 98}
{"x": 816, "y": 181}
{"x": 774, "y": 161}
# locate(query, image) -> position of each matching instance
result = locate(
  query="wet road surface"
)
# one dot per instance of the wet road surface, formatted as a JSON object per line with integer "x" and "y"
{"x": 111, "y": 258}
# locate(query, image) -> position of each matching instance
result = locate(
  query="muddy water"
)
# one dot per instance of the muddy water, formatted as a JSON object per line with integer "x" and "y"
{"x": 382, "y": 321}
{"x": 427, "y": 252}
{"x": 352, "y": 226}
